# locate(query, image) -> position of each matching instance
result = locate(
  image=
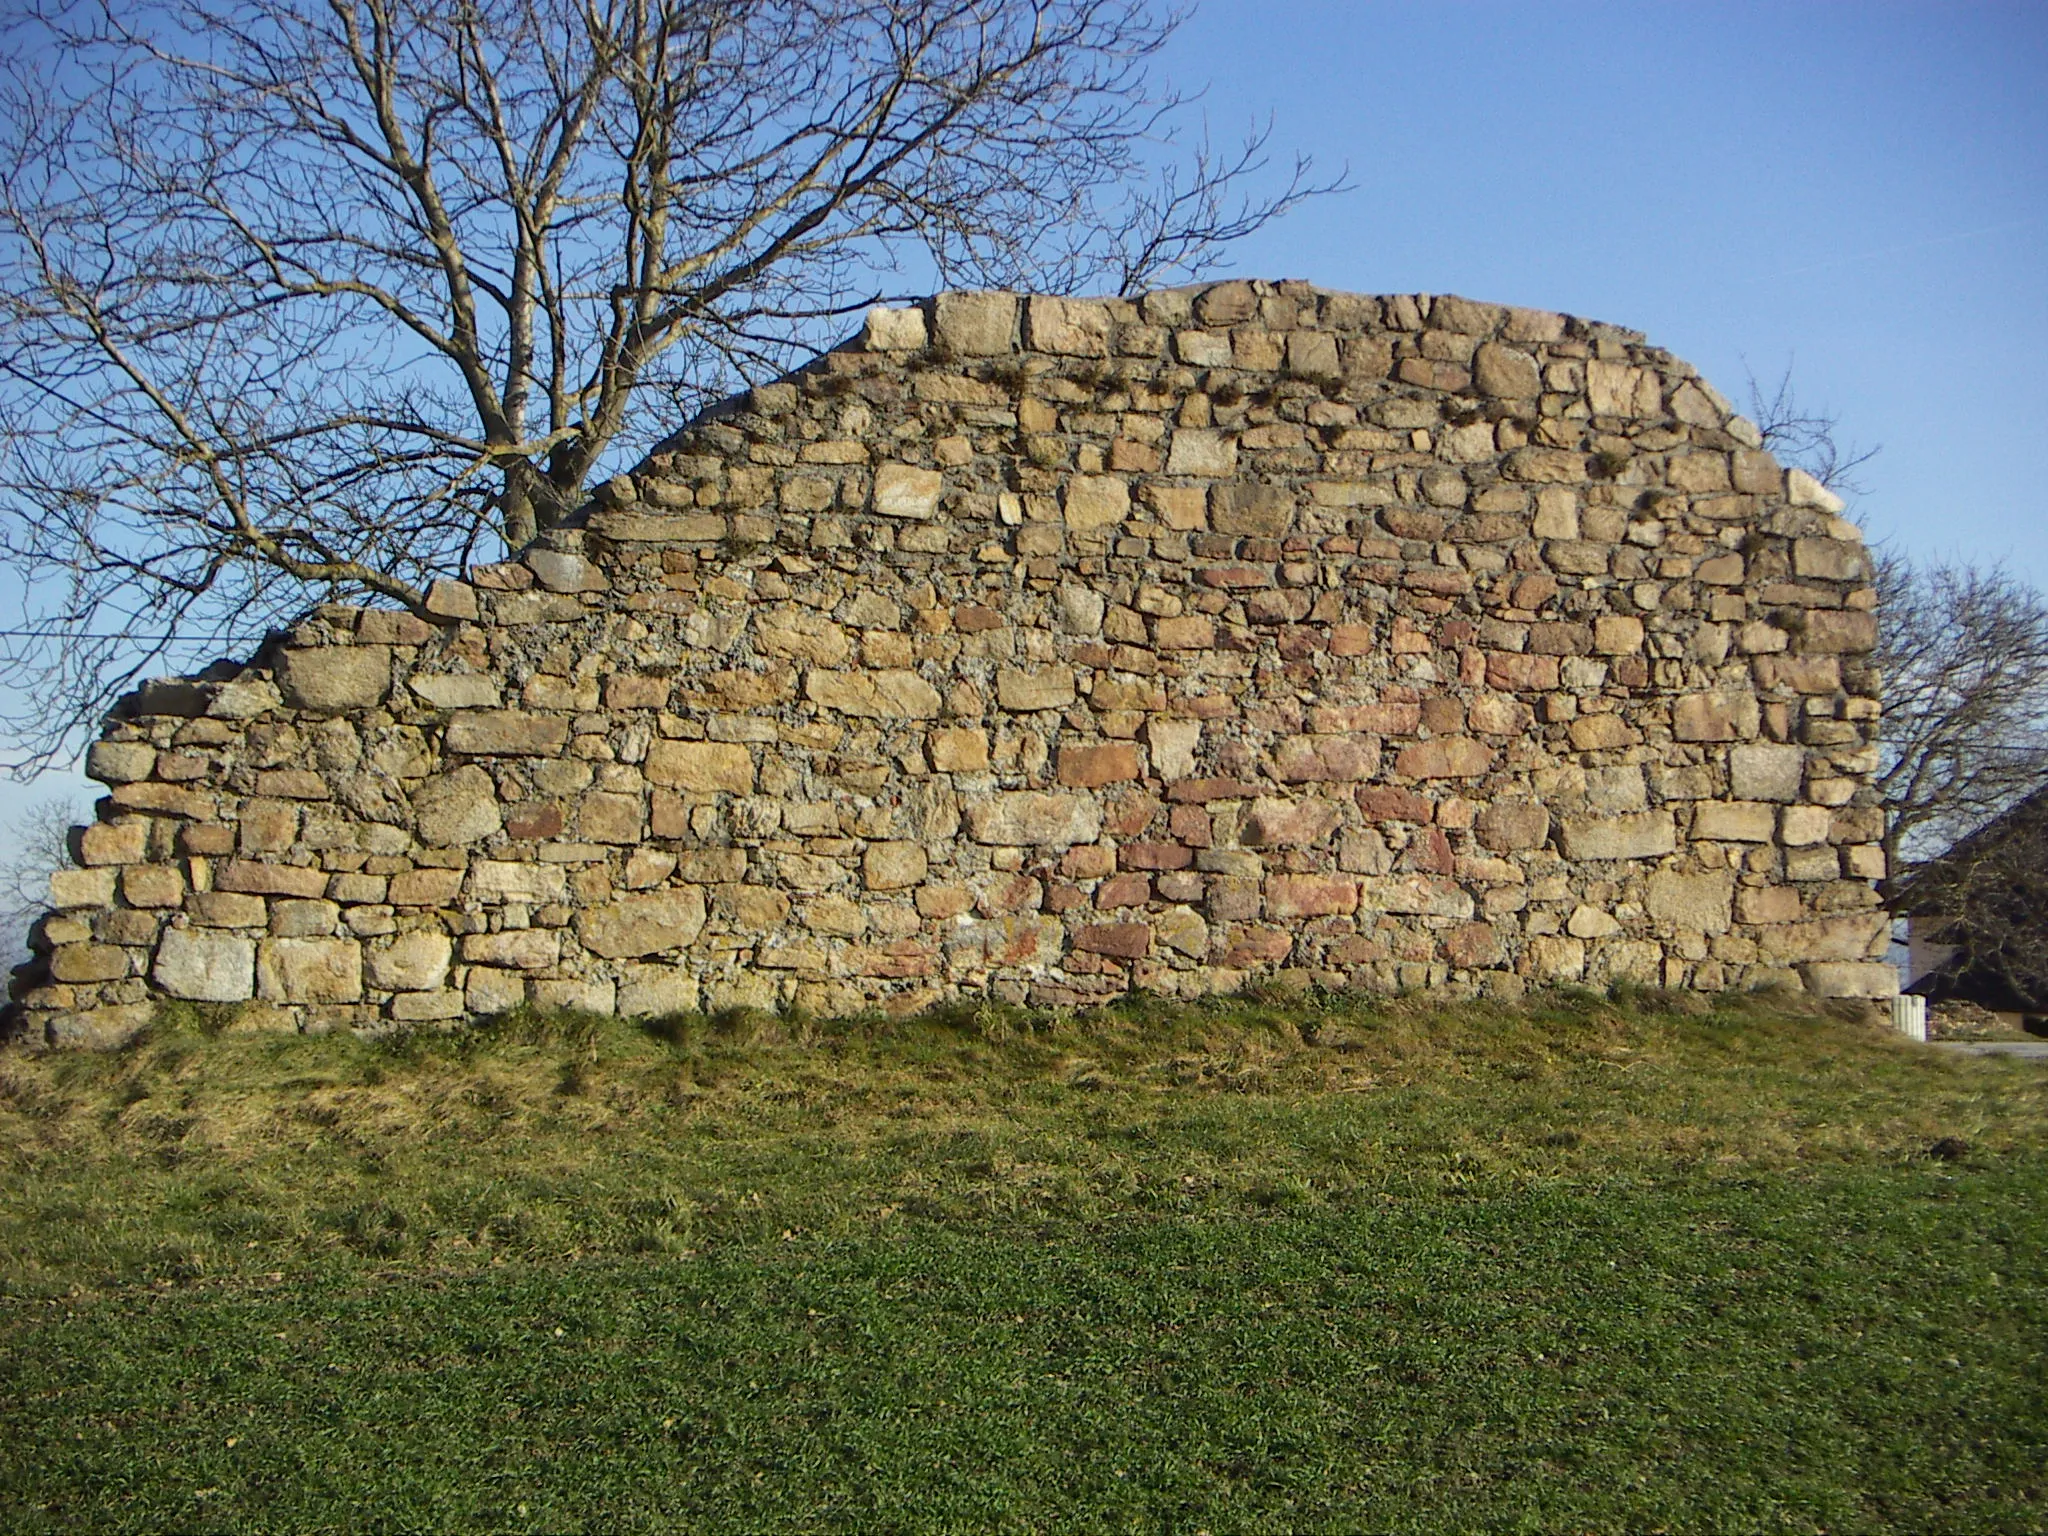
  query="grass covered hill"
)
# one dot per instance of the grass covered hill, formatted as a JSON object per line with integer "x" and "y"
{"x": 1315, "y": 1263}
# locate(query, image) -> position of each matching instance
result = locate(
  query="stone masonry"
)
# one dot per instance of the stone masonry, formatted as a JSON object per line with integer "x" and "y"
{"x": 1049, "y": 647}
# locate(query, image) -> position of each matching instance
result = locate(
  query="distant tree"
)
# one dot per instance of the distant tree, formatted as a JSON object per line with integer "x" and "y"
{"x": 1963, "y": 655}
{"x": 36, "y": 845}
{"x": 333, "y": 294}
{"x": 1962, "y": 658}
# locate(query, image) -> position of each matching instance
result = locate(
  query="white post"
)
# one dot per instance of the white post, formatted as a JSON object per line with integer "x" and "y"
{"x": 1909, "y": 1017}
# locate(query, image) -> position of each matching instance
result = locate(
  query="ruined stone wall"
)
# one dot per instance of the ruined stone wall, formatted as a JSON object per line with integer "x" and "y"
{"x": 1052, "y": 647}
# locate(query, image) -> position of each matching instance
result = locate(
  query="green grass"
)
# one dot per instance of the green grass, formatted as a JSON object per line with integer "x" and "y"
{"x": 1314, "y": 1264}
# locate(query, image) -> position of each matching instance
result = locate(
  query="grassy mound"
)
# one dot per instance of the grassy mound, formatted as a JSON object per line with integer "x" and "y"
{"x": 1310, "y": 1263}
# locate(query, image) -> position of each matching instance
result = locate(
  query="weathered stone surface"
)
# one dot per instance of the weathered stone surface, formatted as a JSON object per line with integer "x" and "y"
{"x": 520, "y": 949}
{"x": 893, "y": 866}
{"x": 335, "y": 679}
{"x": 456, "y": 690}
{"x": 456, "y": 808}
{"x": 408, "y": 962}
{"x": 1447, "y": 757}
{"x": 564, "y": 573}
{"x": 1697, "y": 903}
{"x": 1734, "y": 821}
{"x": 1035, "y": 688}
{"x": 119, "y": 842}
{"x": 1096, "y": 501}
{"x": 702, "y": 767}
{"x": 309, "y": 971}
{"x": 71, "y": 889}
{"x": 119, "y": 762}
{"x": 1173, "y": 744}
{"x": 496, "y": 880}
{"x": 975, "y": 324}
{"x": 1766, "y": 772}
{"x": 1034, "y": 819}
{"x": 1841, "y": 978}
{"x": 1326, "y": 759}
{"x": 1309, "y": 895}
{"x": 506, "y": 733}
{"x": 958, "y": 749}
{"x": 801, "y": 635}
{"x": 205, "y": 966}
{"x": 1261, "y": 511}
{"x": 1417, "y": 895}
{"x": 905, "y": 490}
{"x": 643, "y": 925}
{"x": 892, "y": 694}
{"x": 893, "y": 330}
{"x": 259, "y": 879}
{"x": 1513, "y": 826}
{"x": 1198, "y": 451}
{"x": 1067, "y": 327}
{"x": 1124, "y": 941}
{"x": 1645, "y": 836}
{"x": 1091, "y": 767}
{"x": 1276, "y": 823}
{"x": 88, "y": 962}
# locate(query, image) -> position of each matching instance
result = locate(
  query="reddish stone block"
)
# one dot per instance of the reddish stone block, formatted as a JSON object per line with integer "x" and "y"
{"x": 1257, "y": 946}
{"x": 1128, "y": 815}
{"x": 1447, "y": 757}
{"x": 1474, "y": 944}
{"x": 1124, "y": 891}
{"x": 1061, "y": 897}
{"x": 1387, "y": 718}
{"x": 1090, "y": 861}
{"x": 1155, "y": 856}
{"x": 1297, "y": 643}
{"x": 1512, "y": 672}
{"x": 1388, "y": 804}
{"x": 972, "y": 618}
{"x": 1016, "y": 893}
{"x": 1092, "y": 767}
{"x": 1309, "y": 895}
{"x": 1123, "y": 941}
{"x": 536, "y": 820}
{"x": 1190, "y": 824}
{"x": 1227, "y": 576}
{"x": 1429, "y": 851}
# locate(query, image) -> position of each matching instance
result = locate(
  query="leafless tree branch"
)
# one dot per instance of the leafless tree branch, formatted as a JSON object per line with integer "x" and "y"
{"x": 341, "y": 293}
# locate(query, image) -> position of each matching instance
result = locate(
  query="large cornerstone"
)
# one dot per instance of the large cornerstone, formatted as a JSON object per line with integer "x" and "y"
{"x": 1050, "y": 648}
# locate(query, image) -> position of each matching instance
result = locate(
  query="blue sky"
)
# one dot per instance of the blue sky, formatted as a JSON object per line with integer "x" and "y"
{"x": 1858, "y": 190}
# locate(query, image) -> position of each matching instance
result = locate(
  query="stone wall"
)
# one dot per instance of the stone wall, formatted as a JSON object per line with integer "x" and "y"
{"x": 1052, "y": 647}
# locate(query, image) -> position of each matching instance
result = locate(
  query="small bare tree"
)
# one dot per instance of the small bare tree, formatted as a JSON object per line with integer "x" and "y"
{"x": 35, "y": 846}
{"x": 338, "y": 293}
{"x": 1806, "y": 437}
{"x": 1963, "y": 653}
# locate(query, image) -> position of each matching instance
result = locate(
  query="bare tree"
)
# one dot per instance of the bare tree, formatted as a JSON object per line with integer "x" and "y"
{"x": 1963, "y": 654}
{"x": 1808, "y": 438}
{"x": 35, "y": 846}
{"x": 339, "y": 293}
